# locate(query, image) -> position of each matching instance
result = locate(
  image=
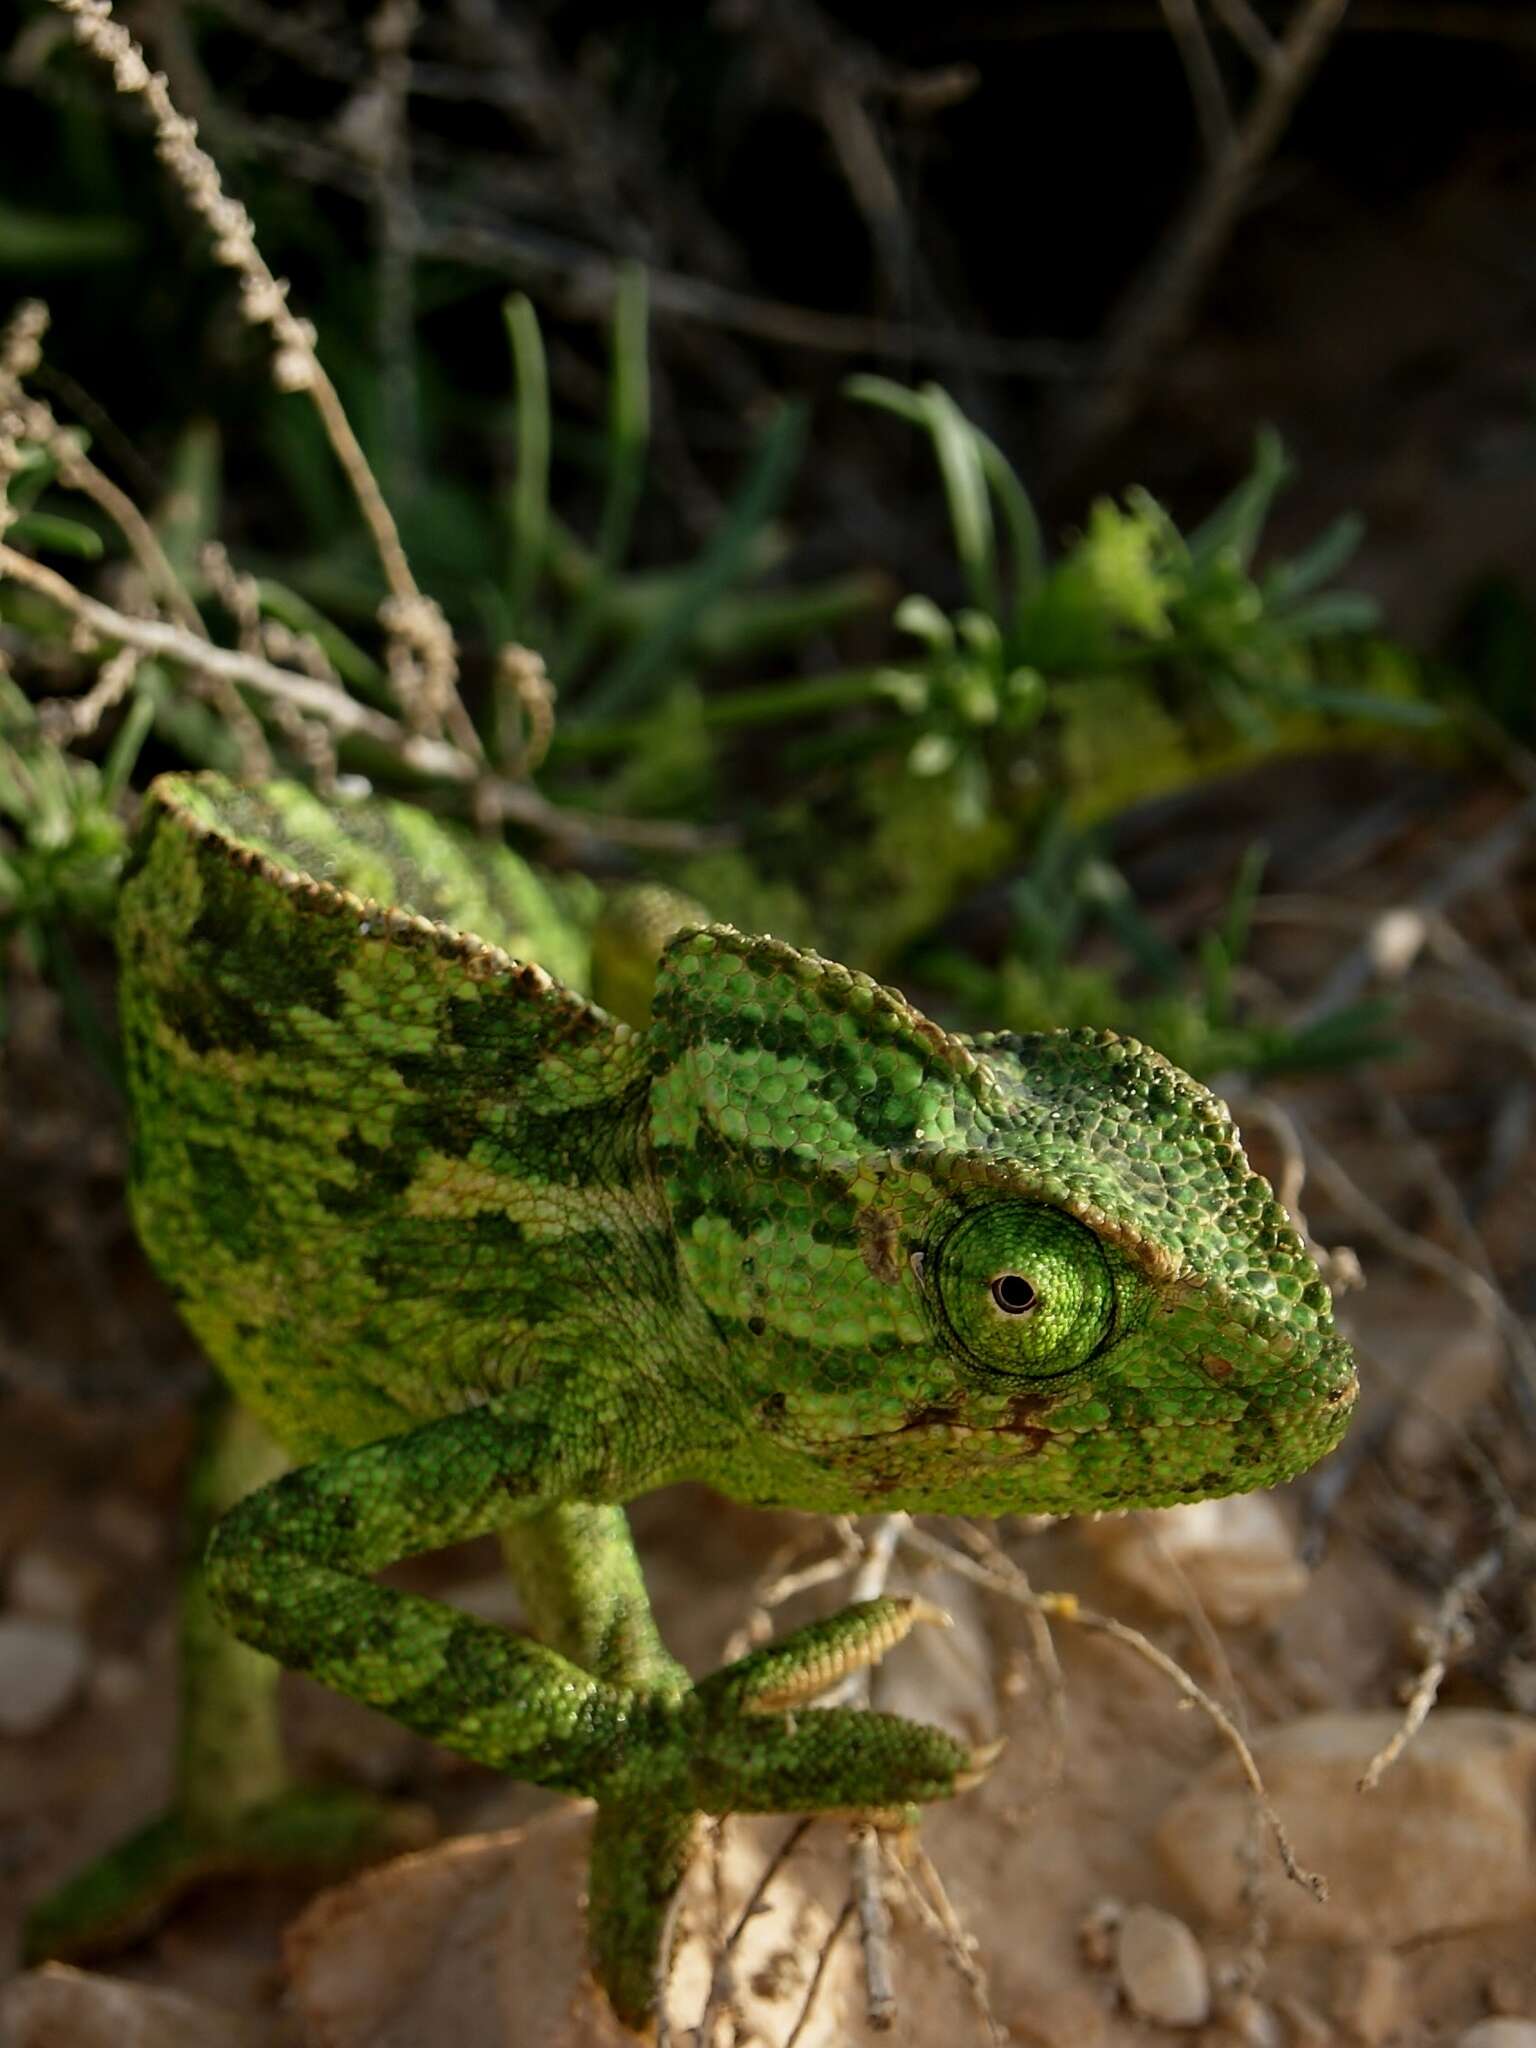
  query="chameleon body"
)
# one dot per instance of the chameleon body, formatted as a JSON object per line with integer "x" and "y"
{"x": 480, "y": 1256}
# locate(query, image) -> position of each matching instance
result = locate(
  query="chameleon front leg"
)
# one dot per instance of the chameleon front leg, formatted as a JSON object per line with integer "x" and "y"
{"x": 288, "y": 1572}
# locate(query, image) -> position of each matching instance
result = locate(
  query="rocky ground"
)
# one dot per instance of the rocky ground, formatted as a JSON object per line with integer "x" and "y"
{"x": 1113, "y": 1879}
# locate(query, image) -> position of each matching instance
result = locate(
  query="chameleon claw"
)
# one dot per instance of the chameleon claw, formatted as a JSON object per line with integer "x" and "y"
{"x": 920, "y": 1610}
{"x": 983, "y": 1756}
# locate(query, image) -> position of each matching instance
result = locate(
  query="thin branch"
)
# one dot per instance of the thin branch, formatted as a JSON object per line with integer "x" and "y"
{"x": 721, "y": 1980}
{"x": 863, "y": 1848}
{"x": 1472, "y": 867}
{"x": 822, "y": 1960}
{"x": 1244, "y": 24}
{"x": 1202, "y": 71}
{"x": 1157, "y": 307}
{"x": 1477, "y": 1287}
{"x": 1446, "y": 1637}
{"x": 423, "y": 660}
{"x": 938, "y": 1915}
{"x": 998, "y": 1575}
{"x": 439, "y": 759}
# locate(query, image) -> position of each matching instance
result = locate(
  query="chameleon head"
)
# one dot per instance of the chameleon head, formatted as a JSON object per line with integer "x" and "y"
{"x": 988, "y": 1276}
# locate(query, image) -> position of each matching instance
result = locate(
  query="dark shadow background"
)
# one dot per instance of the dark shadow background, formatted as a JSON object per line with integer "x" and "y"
{"x": 953, "y": 185}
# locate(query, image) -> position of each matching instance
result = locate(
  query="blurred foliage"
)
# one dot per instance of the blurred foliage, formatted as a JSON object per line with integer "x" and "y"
{"x": 876, "y": 753}
{"x": 1189, "y": 1009}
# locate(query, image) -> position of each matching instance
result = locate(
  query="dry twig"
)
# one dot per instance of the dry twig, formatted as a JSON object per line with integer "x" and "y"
{"x": 1156, "y": 308}
{"x": 936, "y": 1911}
{"x": 423, "y": 660}
{"x": 1447, "y": 1636}
{"x": 823, "y": 1958}
{"x": 999, "y": 1575}
{"x": 439, "y": 759}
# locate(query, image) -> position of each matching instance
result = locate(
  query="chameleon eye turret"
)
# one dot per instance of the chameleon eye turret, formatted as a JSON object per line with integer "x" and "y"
{"x": 1025, "y": 1291}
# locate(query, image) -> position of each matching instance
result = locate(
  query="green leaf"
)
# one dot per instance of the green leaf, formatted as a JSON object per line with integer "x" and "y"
{"x": 50, "y": 241}
{"x": 58, "y": 536}
{"x": 1302, "y": 574}
{"x": 188, "y": 515}
{"x": 356, "y": 667}
{"x": 123, "y": 753}
{"x": 629, "y": 435}
{"x": 719, "y": 566}
{"x": 1238, "y": 521}
{"x": 965, "y": 486}
{"x": 530, "y": 485}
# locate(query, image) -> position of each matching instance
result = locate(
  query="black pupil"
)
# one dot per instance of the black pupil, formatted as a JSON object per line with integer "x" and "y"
{"x": 1013, "y": 1294}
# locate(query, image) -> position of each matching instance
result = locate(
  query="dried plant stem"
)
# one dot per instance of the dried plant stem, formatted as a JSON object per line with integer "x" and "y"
{"x": 721, "y": 1983}
{"x": 1204, "y": 74}
{"x": 1445, "y": 1636}
{"x": 34, "y": 421}
{"x": 820, "y": 1971}
{"x": 64, "y": 719}
{"x": 869, "y": 1583}
{"x": 998, "y": 1575}
{"x": 1478, "y": 1287}
{"x": 438, "y": 759}
{"x": 874, "y": 1926}
{"x": 1154, "y": 311}
{"x": 937, "y": 1913}
{"x": 423, "y": 660}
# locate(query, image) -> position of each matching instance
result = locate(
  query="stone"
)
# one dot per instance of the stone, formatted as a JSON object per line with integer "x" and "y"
{"x": 1446, "y": 1841}
{"x": 1162, "y": 1969}
{"x": 1248, "y": 2023}
{"x": 1371, "y": 2001}
{"x": 1499, "y": 2033}
{"x": 1236, "y": 1557}
{"x": 53, "y": 1585}
{"x": 57, "y": 2007}
{"x": 42, "y": 1668}
{"x": 481, "y": 1942}
{"x": 128, "y": 1528}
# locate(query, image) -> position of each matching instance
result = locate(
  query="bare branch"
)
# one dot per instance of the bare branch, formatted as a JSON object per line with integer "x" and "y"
{"x": 436, "y": 758}
{"x": 1206, "y": 90}
{"x": 999, "y": 1576}
{"x": 1153, "y": 313}
{"x": 1446, "y": 1637}
{"x": 423, "y": 660}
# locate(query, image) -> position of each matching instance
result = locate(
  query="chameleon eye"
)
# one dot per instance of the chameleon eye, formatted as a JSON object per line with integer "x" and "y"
{"x": 1026, "y": 1290}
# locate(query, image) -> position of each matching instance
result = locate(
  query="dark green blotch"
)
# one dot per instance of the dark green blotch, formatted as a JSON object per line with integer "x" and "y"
{"x": 225, "y": 1197}
{"x": 298, "y": 974}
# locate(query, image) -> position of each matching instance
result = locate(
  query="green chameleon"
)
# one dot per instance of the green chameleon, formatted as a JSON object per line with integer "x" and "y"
{"x": 480, "y": 1257}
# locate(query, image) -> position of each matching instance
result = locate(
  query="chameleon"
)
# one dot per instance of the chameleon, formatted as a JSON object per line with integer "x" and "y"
{"x": 475, "y": 1254}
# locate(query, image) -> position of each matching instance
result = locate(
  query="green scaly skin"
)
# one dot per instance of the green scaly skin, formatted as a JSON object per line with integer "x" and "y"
{"x": 481, "y": 1257}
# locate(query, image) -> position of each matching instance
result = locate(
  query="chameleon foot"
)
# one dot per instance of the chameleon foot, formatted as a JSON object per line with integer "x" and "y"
{"x": 743, "y": 1741}
{"x": 124, "y": 1895}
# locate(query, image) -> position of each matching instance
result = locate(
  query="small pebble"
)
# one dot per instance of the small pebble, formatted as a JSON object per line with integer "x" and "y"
{"x": 115, "y": 1682}
{"x": 53, "y": 1585}
{"x": 126, "y": 1526}
{"x": 1249, "y": 2023}
{"x": 1237, "y": 1557}
{"x": 56, "y": 2005}
{"x": 1372, "y": 1999}
{"x": 42, "y": 1668}
{"x": 1162, "y": 1969}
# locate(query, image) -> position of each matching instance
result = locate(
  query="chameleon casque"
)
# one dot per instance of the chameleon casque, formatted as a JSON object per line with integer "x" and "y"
{"x": 478, "y": 1256}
